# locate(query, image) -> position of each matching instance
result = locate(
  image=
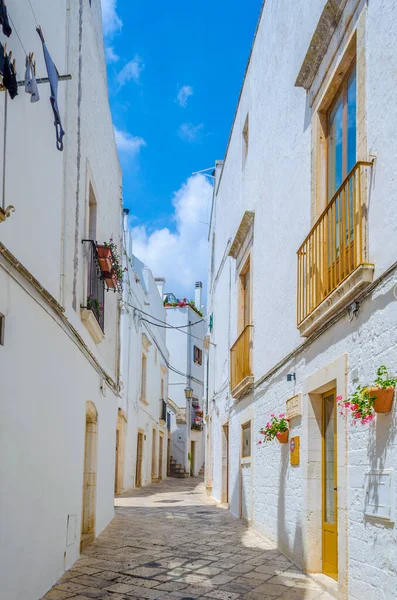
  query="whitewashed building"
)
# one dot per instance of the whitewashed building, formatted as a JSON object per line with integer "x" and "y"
{"x": 142, "y": 438}
{"x": 185, "y": 342}
{"x": 302, "y": 291}
{"x": 59, "y": 351}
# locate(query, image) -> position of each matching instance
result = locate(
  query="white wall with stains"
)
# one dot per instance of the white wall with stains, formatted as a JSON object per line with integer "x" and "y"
{"x": 49, "y": 364}
{"x": 275, "y": 181}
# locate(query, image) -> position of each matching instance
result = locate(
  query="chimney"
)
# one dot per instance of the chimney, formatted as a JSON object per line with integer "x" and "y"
{"x": 198, "y": 295}
{"x": 160, "y": 282}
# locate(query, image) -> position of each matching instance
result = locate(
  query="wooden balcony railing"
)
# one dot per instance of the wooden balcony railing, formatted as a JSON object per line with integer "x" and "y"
{"x": 336, "y": 244}
{"x": 241, "y": 358}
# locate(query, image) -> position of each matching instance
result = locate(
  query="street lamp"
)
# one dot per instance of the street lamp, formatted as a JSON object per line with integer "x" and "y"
{"x": 188, "y": 393}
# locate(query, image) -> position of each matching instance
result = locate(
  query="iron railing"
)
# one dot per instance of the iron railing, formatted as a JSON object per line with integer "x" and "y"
{"x": 241, "y": 358}
{"x": 336, "y": 244}
{"x": 95, "y": 285}
{"x": 163, "y": 410}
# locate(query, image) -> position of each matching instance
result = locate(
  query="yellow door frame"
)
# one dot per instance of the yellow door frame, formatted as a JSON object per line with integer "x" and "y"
{"x": 329, "y": 530}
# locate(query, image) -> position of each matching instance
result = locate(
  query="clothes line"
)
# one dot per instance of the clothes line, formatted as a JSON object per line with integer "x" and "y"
{"x": 40, "y": 80}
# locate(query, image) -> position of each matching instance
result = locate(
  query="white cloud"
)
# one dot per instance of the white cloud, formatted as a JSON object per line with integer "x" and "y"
{"x": 131, "y": 71}
{"x": 111, "y": 21}
{"x": 180, "y": 257}
{"x": 128, "y": 144}
{"x": 111, "y": 56}
{"x": 190, "y": 132}
{"x": 183, "y": 94}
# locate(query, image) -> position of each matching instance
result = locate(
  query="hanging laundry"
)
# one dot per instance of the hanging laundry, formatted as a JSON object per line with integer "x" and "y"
{"x": 54, "y": 78}
{"x": 8, "y": 71}
{"x": 30, "y": 80}
{"x": 4, "y": 22}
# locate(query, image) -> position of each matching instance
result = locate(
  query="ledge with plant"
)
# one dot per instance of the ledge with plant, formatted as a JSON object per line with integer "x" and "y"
{"x": 368, "y": 400}
{"x": 276, "y": 428}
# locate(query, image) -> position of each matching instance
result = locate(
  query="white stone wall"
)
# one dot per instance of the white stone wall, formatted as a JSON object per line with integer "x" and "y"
{"x": 275, "y": 182}
{"x": 180, "y": 348}
{"x": 49, "y": 364}
{"x": 140, "y": 292}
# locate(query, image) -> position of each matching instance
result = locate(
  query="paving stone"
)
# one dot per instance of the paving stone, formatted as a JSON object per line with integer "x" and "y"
{"x": 171, "y": 541}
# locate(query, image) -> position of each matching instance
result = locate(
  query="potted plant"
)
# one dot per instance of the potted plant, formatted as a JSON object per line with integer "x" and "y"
{"x": 366, "y": 401}
{"x": 115, "y": 274}
{"x": 94, "y": 304}
{"x": 383, "y": 391}
{"x": 277, "y": 428}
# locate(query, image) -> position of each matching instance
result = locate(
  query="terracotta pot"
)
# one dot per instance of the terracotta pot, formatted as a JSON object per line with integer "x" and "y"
{"x": 283, "y": 437}
{"x": 384, "y": 398}
{"x": 104, "y": 252}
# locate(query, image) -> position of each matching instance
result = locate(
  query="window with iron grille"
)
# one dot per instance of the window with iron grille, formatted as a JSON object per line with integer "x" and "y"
{"x": 95, "y": 285}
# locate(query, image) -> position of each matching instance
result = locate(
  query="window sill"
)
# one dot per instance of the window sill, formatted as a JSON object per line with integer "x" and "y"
{"x": 144, "y": 401}
{"x": 89, "y": 320}
{"x": 339, "y": 298}
{"x": 246, "y": 460}
{"x": 243, "y": 387}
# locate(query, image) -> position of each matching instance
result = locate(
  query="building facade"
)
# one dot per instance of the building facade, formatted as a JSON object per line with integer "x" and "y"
{"x": 302, "y": 292}
{"x": 185, "y": 340}
{"x": 59, "y": 357}
{"x": 143, "y": 449}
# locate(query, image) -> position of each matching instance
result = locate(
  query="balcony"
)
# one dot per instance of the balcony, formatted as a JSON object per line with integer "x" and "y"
{"x": 332, "y": 261}
{"x": 93, "y": 313}
{"x": 241, "y": 376}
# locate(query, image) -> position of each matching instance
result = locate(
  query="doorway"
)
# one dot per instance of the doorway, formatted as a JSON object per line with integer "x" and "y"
{"x": 89, "y": 477}
{"x": 192, "y": 457}
{"x": 161, "y": 440}
{"x": 154, "y": 454}
{"x": 329, "y": 485}
{"x": 225, "y": 464}
{"x": 139, "y": 456}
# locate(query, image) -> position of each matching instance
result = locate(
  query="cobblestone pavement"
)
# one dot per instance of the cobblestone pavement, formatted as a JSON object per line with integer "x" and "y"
{"x": 171, "y": 541}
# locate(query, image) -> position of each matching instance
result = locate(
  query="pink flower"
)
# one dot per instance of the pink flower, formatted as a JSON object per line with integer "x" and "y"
{"x": 347, "y": 404}
{"x": 357, "y": 415}
{"x": 282, "y": 415}
{"x": 259, "y": 443}
{"x": 341, "y": 413}
{"x": 339, "y": 398}
{"x": 353, "y": 406}
{"x": 278, "y": 433}
{"x": 111, "y": 240}
{"x": 272, "y": 415}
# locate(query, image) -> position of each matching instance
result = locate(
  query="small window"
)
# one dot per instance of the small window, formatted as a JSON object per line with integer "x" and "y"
{"x": 198, "y": 356}
{"x": 246, "y": 438}
{"x": 143, "y": 378}
{"x": 245, "y": 139}
{"x": 92, "y": 215}
{"x": 2, "y": 324}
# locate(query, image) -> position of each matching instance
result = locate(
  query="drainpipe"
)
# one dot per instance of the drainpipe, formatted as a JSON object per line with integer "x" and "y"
{"x": 64, "y": 238}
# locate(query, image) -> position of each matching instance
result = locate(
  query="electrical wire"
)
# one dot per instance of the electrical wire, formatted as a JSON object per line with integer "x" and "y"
{"x": 33, "y": 13}
{"x": 167, "y": 325}
{"x": 180, "y": 330}
{"x": 17, "y": 34}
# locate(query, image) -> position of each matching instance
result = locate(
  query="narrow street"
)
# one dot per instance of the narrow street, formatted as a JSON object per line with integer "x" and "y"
{"x": 171, "y": 541}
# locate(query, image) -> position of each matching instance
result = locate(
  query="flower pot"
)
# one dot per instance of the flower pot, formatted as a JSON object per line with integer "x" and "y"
{"x": 383, "y": 398}
{"x": 105, "y": 258}
{"x": 283, "y": 437}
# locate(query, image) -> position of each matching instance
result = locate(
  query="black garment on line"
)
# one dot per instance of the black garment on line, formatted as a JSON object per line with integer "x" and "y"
{"x": 53, "y": 77}
{"x": 4, "y": 19}
{"x": 9, "y": 76}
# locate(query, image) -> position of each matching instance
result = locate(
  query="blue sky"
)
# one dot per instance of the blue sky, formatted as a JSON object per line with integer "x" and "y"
{"x": 175, "y": 70}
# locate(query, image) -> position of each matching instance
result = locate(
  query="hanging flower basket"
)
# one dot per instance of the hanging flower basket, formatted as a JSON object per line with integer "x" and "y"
{"x": 277, "y": 427}
{"x": 282, "y": 436}
{"x": 382, "y": 398}
{"x": 105, "y": 258}
{"x": 366, "y": 401}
